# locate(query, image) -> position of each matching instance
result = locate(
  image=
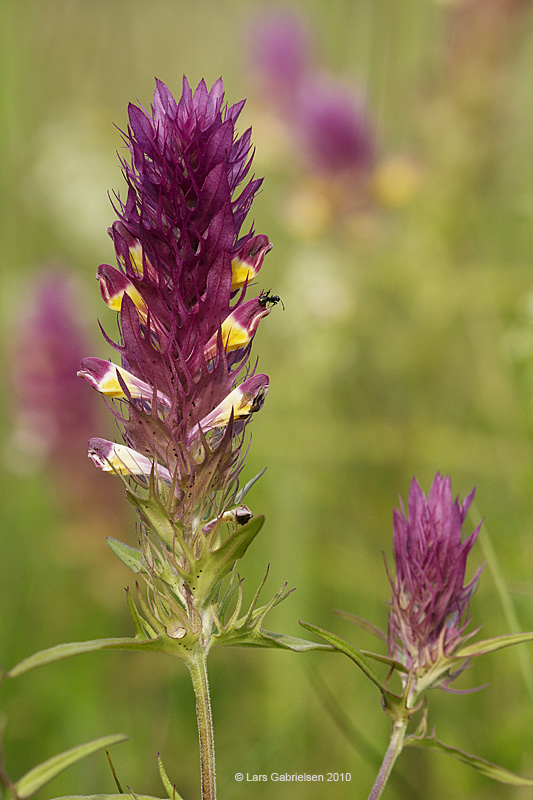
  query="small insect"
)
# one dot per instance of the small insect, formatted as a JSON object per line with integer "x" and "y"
{"x": 273, "y": 299}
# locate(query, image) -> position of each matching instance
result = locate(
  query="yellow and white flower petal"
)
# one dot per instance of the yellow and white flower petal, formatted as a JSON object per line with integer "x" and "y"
{"x": 242, "y": 402}
{"x": 112, "y": 457}
{"x": 239, "y": 327}
{"x": 248, "y": 261}
{"x": 111, "y": 380}
{"x": 114, "y": 285}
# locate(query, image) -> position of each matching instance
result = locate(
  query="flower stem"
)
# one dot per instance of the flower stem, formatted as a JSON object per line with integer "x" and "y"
{"x": 198, "y": 669}
{"x": 393, "y": 751}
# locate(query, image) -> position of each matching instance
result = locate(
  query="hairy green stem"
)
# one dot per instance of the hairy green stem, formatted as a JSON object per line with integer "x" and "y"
{"x": 393, "y": 751}
{"x": 198, "y": 669}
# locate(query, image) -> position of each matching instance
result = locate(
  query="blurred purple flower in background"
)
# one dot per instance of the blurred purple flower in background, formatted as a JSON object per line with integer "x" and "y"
{"x": 53, "y": 415}
{"x": 326, "y": 115}
{"x": 51, "y": 409}
{"x": 333, "y": 125}
{"x": 281, "y": 56}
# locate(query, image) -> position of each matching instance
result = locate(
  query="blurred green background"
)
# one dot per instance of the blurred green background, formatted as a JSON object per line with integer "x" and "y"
{"x": 405, "y": 348}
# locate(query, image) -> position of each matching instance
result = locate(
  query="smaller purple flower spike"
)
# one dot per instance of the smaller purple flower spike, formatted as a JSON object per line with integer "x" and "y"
{"x": 430, "y": 601}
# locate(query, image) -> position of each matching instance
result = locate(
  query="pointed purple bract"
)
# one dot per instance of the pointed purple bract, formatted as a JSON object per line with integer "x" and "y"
{"x": 429, "y": 607}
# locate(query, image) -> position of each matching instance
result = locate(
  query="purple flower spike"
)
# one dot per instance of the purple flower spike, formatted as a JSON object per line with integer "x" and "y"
{"x": 429, "y": 607}
{"x": 186, "y": 328}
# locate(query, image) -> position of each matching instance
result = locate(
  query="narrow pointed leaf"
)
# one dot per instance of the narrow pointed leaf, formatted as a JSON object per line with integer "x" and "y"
{"x": 169, "y": 787}
{"x": 492, "y": 645}
{"x": 241, "y": 494}
{"x": 352, "y": 652}
{"x": 114, "y": 773}
{"x": 391, "y": 662}
{"x": 486, "y": 768}
{"x": 158, "y": 518}
{"x": 251, "y": 637}
{"x": 39, "y": 776}
{"x": 218, "y": 563}
{"x": 237, "y": 544}
{"x": 281, "y": 640}
{"x": 137, "y": 621}
{"x": 61, "y": 651}
{"x": 130, "y": 556}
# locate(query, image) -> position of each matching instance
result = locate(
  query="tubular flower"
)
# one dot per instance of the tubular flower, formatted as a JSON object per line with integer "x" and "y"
{"x": 248, "y": 261}
{"x": 111, "y": 457}
{"x": 242, "y": 402}
{"x": 114, "y": 381}
{"x": 429, "y": 607}
{"x": 179, "y": 289}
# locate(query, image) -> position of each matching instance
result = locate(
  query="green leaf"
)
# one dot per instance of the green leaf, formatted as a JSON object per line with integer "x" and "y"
{"x": 130, "y": 556}
{"x": 352, "y": 652}
{"x": 281, "y": 640}
{"x": 61, "y": 651}
{"x": 213, "y": 566}
{"x": 486, "y": 768}
{"x": 391, "y": 662}
{"x": 241, "y": 494}
{"x": 158, "y": 519}
{"x": 251, "y": 637}
{"x": 492, "y": 645}
{"x": 39, "y": 776}
{"x": 137, "y": 621}
{"x": 169, "y": 787}
{"x": 236, "y": 545}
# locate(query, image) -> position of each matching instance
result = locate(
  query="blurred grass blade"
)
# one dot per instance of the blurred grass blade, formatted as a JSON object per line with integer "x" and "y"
{"x": 506, "y": 600}
{"x": 61, "y": 651}
{"x": 487, "y": 768}
{"x": 39, "y": 776}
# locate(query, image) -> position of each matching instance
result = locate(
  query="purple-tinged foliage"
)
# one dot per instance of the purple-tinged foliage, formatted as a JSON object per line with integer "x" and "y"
{"x": 429, "y": 607}
{"x": 186, "y": 327}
